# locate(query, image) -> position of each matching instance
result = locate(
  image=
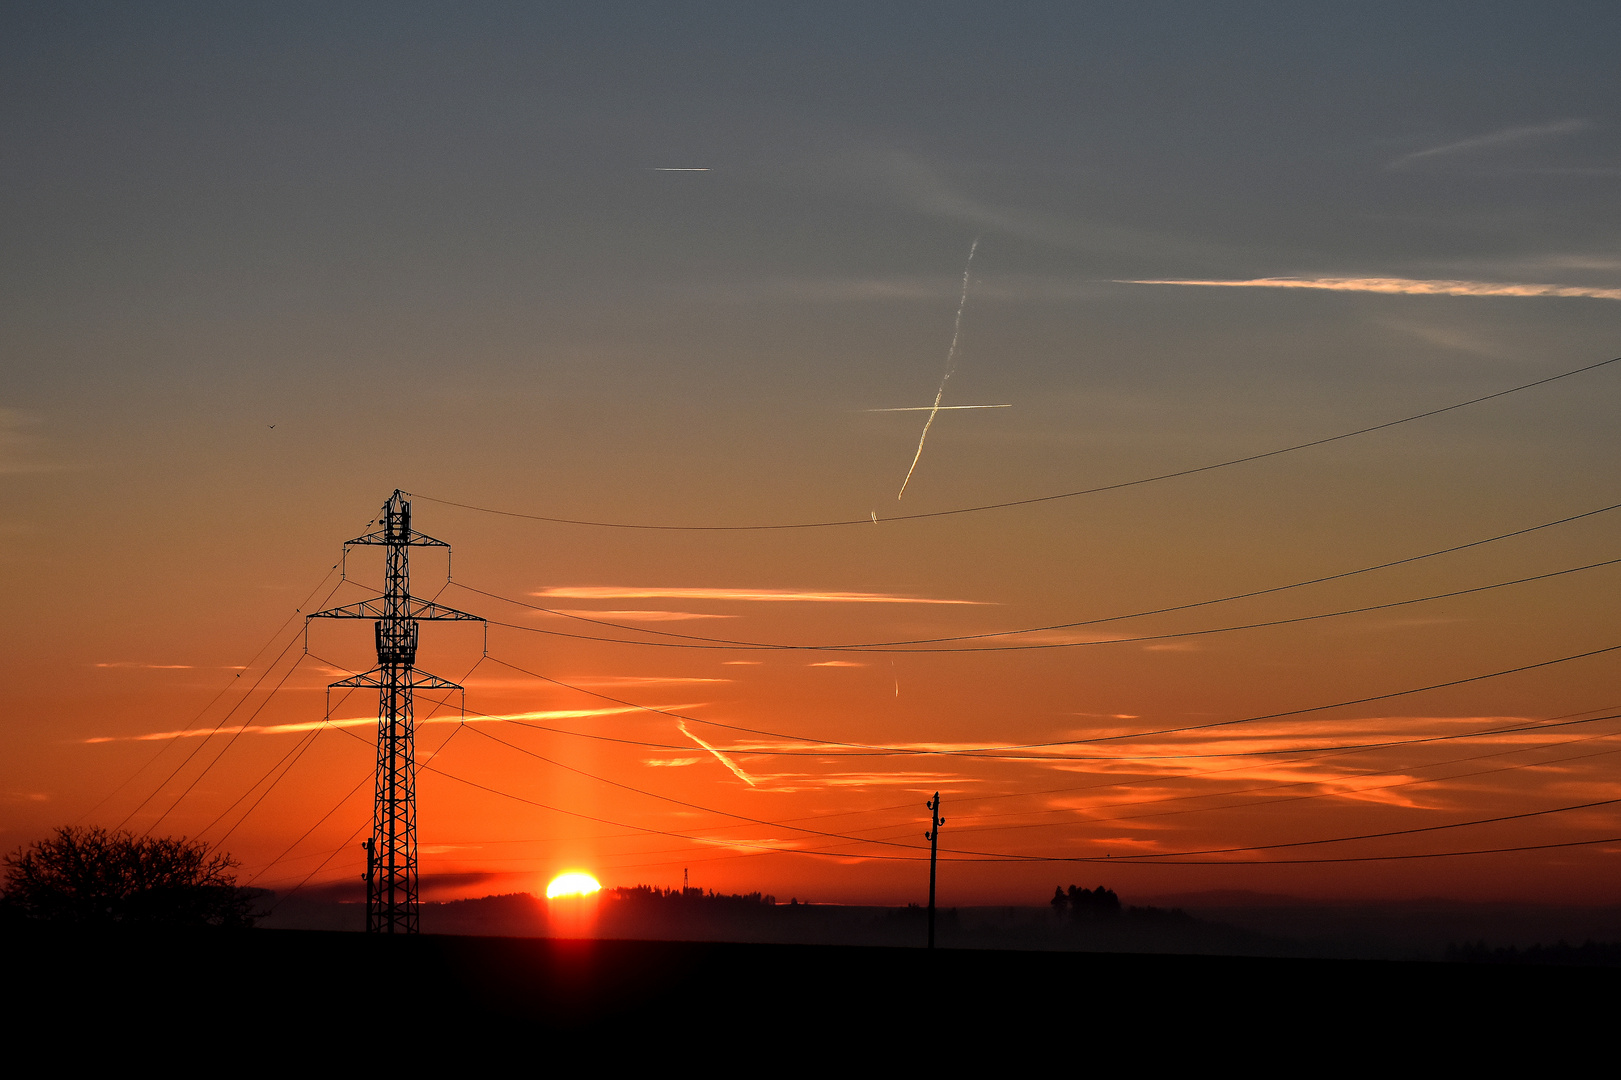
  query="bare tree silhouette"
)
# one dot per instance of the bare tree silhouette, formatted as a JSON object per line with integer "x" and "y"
{"x": 95, "y": 876}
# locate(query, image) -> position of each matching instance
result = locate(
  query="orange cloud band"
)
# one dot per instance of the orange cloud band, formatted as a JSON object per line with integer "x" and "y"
{"x": 1401, "y": 286}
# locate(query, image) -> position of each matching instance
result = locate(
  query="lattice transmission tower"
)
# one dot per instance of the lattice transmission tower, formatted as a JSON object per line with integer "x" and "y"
{"x": 391, "y": 854}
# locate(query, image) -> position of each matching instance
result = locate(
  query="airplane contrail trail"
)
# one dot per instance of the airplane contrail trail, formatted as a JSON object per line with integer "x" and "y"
{"x": 719, "y": 756}
{"x": 951, "y": 356}
{"x": 937, "y": 408}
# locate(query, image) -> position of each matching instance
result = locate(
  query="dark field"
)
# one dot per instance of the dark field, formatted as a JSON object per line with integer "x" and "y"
{"x": 286, "y": 993}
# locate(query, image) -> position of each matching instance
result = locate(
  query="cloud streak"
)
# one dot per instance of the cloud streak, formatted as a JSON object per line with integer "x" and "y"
{"x": 642, "y": 616}
{"x": 631, "y": 592}
{"x": 365, "y": 721}
{"x": 145, "y": 667}
{"x": 1501, "y": 137}
{"x": 1396, "y": 286}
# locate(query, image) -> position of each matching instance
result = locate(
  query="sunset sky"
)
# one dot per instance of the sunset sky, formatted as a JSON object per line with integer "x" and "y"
{"x": 698, "y": 266}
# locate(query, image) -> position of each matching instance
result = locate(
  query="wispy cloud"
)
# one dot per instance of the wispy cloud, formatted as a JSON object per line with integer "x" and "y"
{"x": 929, "y": 191}
{"x": 367, "y": 721}
{"x": 921, "y": 782}
{"x": 640, "y": 680}
{"x": 1491, "y": 140}
{"x": 19, "y": 446}
{"x": 837, "y": 663}
{"x": 631, "y": 592}
{"x": 1398, "y": 286}
{"x": 145, "y": 667}
{"x": 642, "y": 616}
{"x": 1450, "y": 338}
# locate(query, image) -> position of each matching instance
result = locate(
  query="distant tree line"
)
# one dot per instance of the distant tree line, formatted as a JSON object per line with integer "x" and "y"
{"x": 1088, "y": 905}
{"x": 1563, "y": 954}
{"x": 652, "y": 893}
{"x": 1082, "y": 903}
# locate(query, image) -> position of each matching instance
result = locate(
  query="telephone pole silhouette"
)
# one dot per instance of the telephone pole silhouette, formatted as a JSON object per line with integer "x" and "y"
{"x": 933, "y": 837}
{"x": 391, "y": 854}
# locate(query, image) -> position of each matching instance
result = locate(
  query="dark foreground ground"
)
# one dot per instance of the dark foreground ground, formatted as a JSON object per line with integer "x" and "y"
{"x": 258, "y": 995}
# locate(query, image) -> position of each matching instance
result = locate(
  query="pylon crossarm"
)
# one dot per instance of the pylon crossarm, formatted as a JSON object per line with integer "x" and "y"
{"x": 375, "y": 608}
{"x": 412, "y": 538}
{"x": 376, "y": 679}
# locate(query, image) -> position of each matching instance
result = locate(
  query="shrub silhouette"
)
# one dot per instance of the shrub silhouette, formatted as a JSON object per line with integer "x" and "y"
{"x": 94, "y": 876}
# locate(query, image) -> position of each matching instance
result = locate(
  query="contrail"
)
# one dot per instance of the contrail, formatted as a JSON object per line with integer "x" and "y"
{"x": 951, "y": 356}
{"x": 937, "y": 408}
{"x": 720, "y": 757}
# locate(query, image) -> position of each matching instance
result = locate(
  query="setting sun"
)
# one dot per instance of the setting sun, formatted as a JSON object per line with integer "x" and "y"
{"x": 573, "y": 883}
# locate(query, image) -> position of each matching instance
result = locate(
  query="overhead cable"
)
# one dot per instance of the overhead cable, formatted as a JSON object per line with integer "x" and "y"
{"x": 869, "y": 520}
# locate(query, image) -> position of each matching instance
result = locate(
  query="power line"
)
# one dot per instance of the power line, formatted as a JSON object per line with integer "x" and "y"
{"x": 680, "y": 802}
{"x": 1083, "y": 622}
{"x": 226, "y": 748}
{"x": 869, "y": 521}
{"x": 1416, "y": 782}
{"x": 228, "y": 714}
{"x": 322, "y": 820}
{"x": 1137, "y": 860}
{"x": 1324, "y": 708}
{"x": 1546, "y": 723}
{"x": 881, "y": 751}
{"x": 297, "y": 751}
{"x": 981, "y": 856}
{"x": 1003, "y": 856}
{"x": 333, "y": 854}
{"x": 1383, "y": 835}
{"x": 863, "y": 749}
{"x": 1163, "y": 858}
{"x": 1156, "y": 859}
{"x": 788, "y": 823}
{"x": 212, "y": 701}
{"x": 725, "y": 644}
{"x": 215, "y": 730}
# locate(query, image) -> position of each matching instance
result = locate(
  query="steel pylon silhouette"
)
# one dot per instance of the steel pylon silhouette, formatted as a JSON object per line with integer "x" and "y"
{"x": 391, "y": 854}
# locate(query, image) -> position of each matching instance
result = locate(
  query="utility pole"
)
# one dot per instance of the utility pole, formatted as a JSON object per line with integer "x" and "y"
{"x": 933, "y": 837}
{"x": 391, "y": 854}
{"x": 371, "y": 876}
